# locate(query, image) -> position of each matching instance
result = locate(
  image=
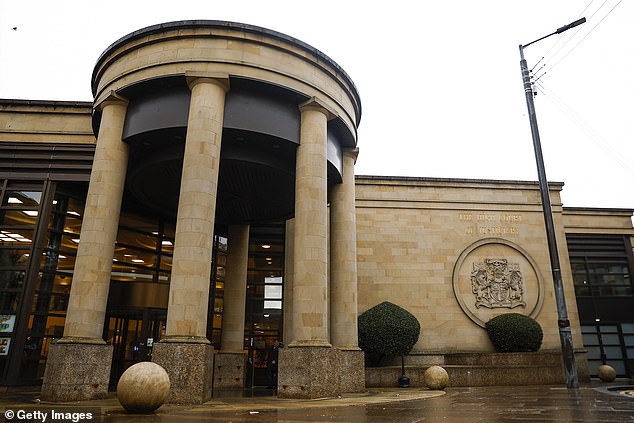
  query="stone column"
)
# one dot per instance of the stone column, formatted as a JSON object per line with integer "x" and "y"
{"x": 343, "y": 277}
{"x": 307, "y": 367}
{"x": 185, "y": 352}
{"x": 78, "y": 365}
{"x": 229, "y": 367}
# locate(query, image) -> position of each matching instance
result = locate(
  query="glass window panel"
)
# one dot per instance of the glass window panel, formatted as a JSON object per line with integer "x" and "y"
{"x": 9, "y": 302}
{"x": 609, "y": 329}
{"x": 622, "y": 291}
{"x": 19, "y": 238}
{"x": 593, "y": 366}
{"x": 143, "y": 224}
{"x": 610, "y": 339}
{"x": 59, "y": 303}
{"x": 220, "y": 289}
{"x": 25, "y": 198}
{"x": 123, "y": 273}
{"x": 629, "y": 340}
{"x": 50, "y": 303}
{"x": 583, "y": 290}
{"x": 220, "y": 273}
{"x": 630, "y": 353}
{"x": 134, "y": 257}
{"x": 580, "y": 278}
{"x": 72, "y": 226}
{"x": 589, "y": 339}
{"x": 11, "y": 279}
{"x": 273, "y": 292}
{"x": 166, "y": 262}
{"x": 15, "y": 218}
{"x": 627, "y": 327}
{"x": 57, "y": 260}
{"x": 13, "y": 257}
{"x": 594, "y": 352}
{"x": 218, "y": 304}
{"x": 618, "y": 268}
{"x": 74, "y": 209}
{"x": 164, "y": 277}
{"x": 588, "y": 329}
{"x": 222, "y": 244}
{"x": 578, "y": 267}
{"x": 596, "y": 268}
{"x": 129, "y": 238}
{"x": 614, "y": 279}
{"x": 619, "y": 366}
{"x": 217, "y": 321}
{"x": 273, "y": 304}
{"x": 167, "y": 246}
{"x": 613, "y": 352}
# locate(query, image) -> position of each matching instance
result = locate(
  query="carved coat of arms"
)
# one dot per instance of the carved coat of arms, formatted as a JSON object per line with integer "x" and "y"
{"x": 497, "y": 283}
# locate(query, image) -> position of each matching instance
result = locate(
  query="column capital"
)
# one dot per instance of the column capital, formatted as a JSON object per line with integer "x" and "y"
{"x": 352, "y": 153}
{"x": 110, "y": 98}
{"x": 315, "y": 103}
{"x": 217, "y": 78}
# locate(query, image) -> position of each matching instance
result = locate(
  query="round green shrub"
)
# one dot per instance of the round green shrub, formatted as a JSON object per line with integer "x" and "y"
{"x": 387, "y": 329}
{"x": 513, "y": 332}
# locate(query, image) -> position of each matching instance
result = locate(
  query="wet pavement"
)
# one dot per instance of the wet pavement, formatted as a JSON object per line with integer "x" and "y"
{"x": 590, "y": 403}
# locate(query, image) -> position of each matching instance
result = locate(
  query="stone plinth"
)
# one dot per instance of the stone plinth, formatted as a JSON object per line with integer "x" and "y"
{"x": 486, "y": 369}
{"x": 77, "y": 372}
{"x": 352, "y": 374}
{"x": 190, "y": 369}
{"x": 229, "y": 370}
{"x": 309, "y": 372}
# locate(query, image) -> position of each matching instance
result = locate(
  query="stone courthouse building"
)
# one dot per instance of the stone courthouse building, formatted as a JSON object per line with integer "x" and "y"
{"x": 205, "y": 204}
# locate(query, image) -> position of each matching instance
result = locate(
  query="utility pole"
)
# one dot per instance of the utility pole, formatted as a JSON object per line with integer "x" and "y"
{"x": 565, "y": 334}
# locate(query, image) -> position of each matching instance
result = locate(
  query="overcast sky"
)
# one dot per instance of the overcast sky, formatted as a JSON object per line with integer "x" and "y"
{"x": 440, "y": 81}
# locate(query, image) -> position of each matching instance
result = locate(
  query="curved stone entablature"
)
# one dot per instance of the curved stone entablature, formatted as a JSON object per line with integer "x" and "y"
{"x": 269, "y": 75}
{"x": 235, "y": 49}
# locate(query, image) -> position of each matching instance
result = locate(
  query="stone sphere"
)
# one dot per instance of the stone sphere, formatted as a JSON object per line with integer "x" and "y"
{"x": 143, "y": 387}
{"x": 606, "y": 373}
{"x": 436, "y": 378}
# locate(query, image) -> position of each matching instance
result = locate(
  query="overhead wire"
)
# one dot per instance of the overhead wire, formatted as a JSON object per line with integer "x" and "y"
{"x": 571, "y": 37}
{"x": 578, "y": 29}
{"x": 558, "y": 40}
{"x": 586, "y": 35}
{"x": 593, "y": 135}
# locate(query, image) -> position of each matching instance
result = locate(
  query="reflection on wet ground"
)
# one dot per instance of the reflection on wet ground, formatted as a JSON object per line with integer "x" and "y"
{"x": 590, "y": 403}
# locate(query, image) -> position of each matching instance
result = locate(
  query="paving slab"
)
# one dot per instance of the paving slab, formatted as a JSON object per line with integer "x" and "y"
{"x": 512, "y": 404}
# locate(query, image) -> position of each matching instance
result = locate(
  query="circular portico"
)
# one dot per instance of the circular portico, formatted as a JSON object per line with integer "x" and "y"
{"x": 220, "y": 125}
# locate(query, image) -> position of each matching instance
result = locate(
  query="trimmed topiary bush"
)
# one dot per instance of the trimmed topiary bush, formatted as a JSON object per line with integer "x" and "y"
{"x": 386, "y": 330}
{"x": 513, "y": 332}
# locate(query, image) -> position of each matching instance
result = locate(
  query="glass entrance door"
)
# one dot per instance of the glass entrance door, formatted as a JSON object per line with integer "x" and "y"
{"x": 132, "y": 335}
{"x": 264, "y": 302}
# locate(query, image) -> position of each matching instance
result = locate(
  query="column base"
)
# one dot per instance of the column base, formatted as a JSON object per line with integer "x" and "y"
{"x": 352, "y": 370}
{"x": 229, "y": 370}
{"x": 309, "y": 372}
{"x": 76, "y": 372}
{"x": 190, "y": 369}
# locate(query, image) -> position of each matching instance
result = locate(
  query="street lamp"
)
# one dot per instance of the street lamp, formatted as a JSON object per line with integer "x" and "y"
{"x": 565, "y": 335}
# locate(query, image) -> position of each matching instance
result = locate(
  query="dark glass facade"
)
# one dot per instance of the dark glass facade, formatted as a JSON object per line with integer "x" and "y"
{"x": 602, "y": 272}
{"x": 40, "y": 223}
